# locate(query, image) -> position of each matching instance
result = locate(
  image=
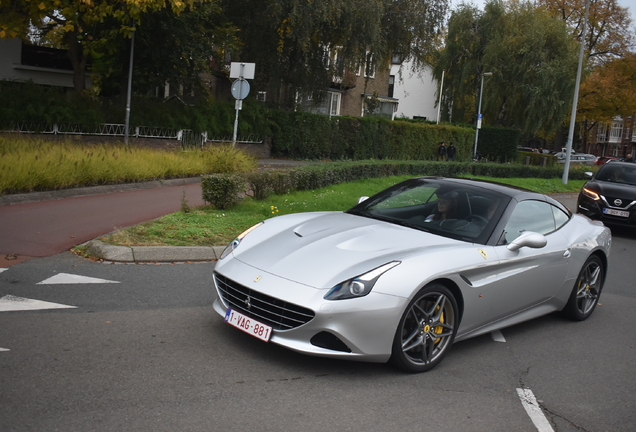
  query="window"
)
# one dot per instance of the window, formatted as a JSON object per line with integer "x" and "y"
{"x": 533, "y": 216}
{"x": 330, "y": 104}
{"x": 601, "y": 133}
{"x": 333, "y": 100}
{"x": 368, "y": 67}
{"x": 391, "y": 85}
{"x": 560, "y": 217}
{"x": 616, "y": 133}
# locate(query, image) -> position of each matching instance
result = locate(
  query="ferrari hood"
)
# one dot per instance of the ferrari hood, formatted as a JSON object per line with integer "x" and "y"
{"x": 331, "y": 247}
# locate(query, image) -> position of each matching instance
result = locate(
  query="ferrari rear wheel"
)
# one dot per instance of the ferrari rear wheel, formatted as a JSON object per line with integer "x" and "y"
{"x": 427, "y": 329}
{"x": 586, "y": 291}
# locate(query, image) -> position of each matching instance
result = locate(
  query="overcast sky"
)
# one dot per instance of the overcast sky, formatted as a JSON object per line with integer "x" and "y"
{"x": 630, "y": 4}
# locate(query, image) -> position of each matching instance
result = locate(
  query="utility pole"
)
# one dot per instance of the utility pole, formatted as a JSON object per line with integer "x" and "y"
{"x": 568, "y": 147}
{"x": 481, "y": 92}
{"x": 130, "y": 72}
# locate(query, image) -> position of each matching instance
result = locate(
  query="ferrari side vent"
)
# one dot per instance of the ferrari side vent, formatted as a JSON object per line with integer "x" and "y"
{"x": 269, "y": 310}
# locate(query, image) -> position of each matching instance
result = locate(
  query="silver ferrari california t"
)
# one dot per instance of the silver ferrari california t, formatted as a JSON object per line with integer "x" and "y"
{"x": 409, "y": 271}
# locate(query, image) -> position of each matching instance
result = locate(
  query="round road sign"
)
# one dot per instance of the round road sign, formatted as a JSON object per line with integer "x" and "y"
{"x": 240, "y": 89}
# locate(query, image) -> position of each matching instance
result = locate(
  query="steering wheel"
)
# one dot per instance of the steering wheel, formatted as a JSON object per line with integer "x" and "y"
{"x": 473, "y": 217}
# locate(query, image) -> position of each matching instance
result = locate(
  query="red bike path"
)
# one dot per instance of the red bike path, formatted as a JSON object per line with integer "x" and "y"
{"x": 51, "y": 226}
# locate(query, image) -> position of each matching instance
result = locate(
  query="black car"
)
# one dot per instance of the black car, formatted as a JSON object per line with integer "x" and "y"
{"x": 610, "y": 196}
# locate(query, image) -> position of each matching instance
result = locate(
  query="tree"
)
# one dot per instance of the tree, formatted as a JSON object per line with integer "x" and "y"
{"x": 168, "y": 48}
{"x": 609, "y": 33}
{"x": 468, "y": 34}
{"x": 532, "y": 58}
{"x": 610, "y": 90}
{"x": 300, "y": 45}
{"x": 84, "y": 24}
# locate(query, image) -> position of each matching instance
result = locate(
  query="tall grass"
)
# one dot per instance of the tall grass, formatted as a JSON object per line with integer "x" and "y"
{"x": 28, "y": 165}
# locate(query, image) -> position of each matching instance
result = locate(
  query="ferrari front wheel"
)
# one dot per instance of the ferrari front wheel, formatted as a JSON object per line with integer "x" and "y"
{"x": 426, "y": 330}
{"x": 586, "y": 291}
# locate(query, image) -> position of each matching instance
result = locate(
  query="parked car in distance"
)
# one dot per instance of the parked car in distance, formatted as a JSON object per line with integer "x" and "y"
{"x": 407, "y": 272}
{"x": 527, "y": 149}
{"x": 604, "y": 159}
{"x": 610, "y": 195}
{"x": 577, "y": 158}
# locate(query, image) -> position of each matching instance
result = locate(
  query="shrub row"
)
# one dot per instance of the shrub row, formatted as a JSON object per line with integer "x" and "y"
{"x": 297, "y": 135}
{"x": 308, "y": 136}
{"x": 262, "y": 184}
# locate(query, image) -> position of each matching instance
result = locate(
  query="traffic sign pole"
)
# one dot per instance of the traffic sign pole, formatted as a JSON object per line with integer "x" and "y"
{"x": 240, "y": 89}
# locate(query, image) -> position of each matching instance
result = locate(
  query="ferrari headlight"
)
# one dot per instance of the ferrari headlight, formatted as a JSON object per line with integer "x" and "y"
{"x": 234, "y": 243}
{"x": 359, "y": 286}
{"x": 591, "y": 194}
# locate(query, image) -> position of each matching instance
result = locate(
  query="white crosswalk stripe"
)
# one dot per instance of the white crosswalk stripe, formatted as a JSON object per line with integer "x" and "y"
{"x": 66, "y": 278}
{"x": 10, "y": 303}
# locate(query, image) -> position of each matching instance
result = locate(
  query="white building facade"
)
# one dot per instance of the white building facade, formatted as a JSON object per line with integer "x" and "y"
{"x": 416, "y": 91}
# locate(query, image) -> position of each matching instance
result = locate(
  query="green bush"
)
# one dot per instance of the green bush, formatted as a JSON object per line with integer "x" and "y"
{"x": 222, "y": 190}
{"x": 27, "y": 102}
{"x": 315, "y": 136}
{"x": 498, "y": 144}
{"x": 262, "y": 184}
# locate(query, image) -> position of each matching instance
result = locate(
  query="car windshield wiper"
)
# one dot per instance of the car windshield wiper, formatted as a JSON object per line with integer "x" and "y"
{"x": 365, "y": 213}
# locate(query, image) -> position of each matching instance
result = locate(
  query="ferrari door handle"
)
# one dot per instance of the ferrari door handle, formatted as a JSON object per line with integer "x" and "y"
{"x": 567, "y": 253}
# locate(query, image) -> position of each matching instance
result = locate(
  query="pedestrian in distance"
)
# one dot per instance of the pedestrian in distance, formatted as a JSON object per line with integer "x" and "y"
{"x": 629, "y": 158}
{"x": 451, "y": 151}
{"x": 441, "y": 152}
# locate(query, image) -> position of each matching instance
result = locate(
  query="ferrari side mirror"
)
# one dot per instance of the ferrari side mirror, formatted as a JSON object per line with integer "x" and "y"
{"x": 528, "y": 239}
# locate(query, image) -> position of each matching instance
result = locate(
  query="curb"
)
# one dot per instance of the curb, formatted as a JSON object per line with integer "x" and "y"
{"x": 141, "y": 254}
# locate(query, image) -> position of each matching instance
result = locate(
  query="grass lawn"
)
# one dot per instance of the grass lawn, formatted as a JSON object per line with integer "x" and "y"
{"x": 206, "y": 226}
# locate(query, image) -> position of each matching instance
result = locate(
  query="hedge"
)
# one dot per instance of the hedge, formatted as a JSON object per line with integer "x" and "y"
{"x": 317, "y": 137}
{"x": 261, "y": 184}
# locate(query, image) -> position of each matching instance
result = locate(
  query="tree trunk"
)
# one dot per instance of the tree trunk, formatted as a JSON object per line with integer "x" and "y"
{"x": 78, "y": 60}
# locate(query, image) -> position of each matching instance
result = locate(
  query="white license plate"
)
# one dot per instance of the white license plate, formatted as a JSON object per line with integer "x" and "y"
{"x": 248, "y": 325}
{"x": 616, "y": 212}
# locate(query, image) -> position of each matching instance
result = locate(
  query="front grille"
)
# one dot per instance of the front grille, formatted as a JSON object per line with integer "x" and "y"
{"x": 268, "y": 310}
{"x": 625, "y": 204}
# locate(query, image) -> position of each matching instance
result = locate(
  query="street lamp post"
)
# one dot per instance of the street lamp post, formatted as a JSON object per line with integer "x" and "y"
{"x": 481, "y": 91}
{"x": 568, "y": 147}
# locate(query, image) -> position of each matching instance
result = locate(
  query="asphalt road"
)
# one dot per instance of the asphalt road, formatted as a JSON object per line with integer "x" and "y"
{"x": 139, "y": 348}
{"x": 143, "y": 350}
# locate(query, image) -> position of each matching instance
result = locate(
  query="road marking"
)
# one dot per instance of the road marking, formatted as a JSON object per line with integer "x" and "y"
{"x": 3, "y": 269}
{"x": 66, "y": 278}
{"x": 497, "y": 336}
{"x": 533, "y": 409}
{"x": 12, "y": 303}
{"x": 4, "y": 349}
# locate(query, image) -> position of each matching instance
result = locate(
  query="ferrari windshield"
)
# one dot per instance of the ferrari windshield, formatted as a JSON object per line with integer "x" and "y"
{"x": 438, "y": 206}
